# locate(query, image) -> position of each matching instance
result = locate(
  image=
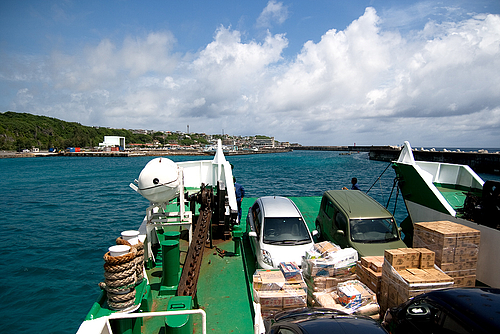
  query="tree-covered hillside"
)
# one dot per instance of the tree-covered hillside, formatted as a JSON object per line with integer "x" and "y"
{"x": 23, "y": 131}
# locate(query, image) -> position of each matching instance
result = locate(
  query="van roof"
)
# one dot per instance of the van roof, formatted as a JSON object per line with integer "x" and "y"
{"x": 356, "y": 204}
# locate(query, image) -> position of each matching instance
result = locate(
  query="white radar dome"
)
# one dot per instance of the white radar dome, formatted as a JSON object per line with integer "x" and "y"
{"x": 159, "y": 180}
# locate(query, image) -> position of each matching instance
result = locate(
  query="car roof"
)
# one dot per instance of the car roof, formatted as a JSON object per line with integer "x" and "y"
{"x": 357, "y": 204}
{"x": 481, "y": 305}
{"x": 277, "y": 206}
{"x": 324, "y": 320}
{"x": 342, "y": 325}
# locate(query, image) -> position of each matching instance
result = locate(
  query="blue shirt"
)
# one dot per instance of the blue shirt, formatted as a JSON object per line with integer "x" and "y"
{"x": 240, "y": 191}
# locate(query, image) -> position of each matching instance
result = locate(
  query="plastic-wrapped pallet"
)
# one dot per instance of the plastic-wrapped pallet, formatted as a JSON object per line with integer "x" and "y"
{"x": 456, "y": 247}
{"x": 326, "y": 259}
{"x": 275, "y": 292}
{"x": 400, "y": 282}
{"x": 326, "y": 265}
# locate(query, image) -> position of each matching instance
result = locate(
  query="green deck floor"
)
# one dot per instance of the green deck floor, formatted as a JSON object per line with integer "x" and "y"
{"x": 224, "y": 287}
{"x": 455, "y": 197}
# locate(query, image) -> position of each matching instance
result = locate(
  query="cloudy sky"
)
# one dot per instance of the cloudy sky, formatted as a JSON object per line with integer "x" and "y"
{"x": 312, "y": 72}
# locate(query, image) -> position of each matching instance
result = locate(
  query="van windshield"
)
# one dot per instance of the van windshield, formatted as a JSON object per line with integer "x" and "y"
{"x": 285, "y": 231}
{"x": 373, "y": 230}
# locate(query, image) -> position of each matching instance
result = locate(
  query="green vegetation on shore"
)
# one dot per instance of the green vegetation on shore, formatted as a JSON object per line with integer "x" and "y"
{"x": 20, "y": 131}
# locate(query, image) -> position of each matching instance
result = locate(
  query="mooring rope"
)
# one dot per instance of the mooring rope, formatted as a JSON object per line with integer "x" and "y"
{"x": 139, "y": 257}
{"x": 122, "y": 274}
{"x": 120, "y": 279}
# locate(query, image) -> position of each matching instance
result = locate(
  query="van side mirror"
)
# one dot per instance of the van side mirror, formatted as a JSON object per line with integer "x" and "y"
{"x": 252, "y": 234}
{"x": 314, "y": 233}
{"x": 340, "y": 233}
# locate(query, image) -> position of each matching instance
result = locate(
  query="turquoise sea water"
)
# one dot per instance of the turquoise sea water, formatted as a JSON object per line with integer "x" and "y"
{"x": 60, "y": 214}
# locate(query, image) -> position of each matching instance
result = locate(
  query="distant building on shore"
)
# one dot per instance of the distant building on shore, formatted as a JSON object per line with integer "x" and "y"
{"x": 264, "y": 142}
{"x": 113, "y": 141}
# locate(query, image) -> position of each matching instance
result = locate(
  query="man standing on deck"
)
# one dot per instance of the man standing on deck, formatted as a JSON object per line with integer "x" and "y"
{"x": 355, "y": 185}
{"x": 240, "y": 193}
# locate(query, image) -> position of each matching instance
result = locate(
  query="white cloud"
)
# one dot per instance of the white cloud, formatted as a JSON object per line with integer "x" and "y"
{"x": 275, "y": 12}
{"x": 363, "y": 84}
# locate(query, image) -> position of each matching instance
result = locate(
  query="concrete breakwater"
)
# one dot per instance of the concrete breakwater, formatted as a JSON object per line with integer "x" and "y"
{"x": 480, "y": 162}
{"x": 340, "y": 148}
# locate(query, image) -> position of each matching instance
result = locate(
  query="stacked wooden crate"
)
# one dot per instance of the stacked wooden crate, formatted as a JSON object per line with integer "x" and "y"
{"x": 456, "y": 247}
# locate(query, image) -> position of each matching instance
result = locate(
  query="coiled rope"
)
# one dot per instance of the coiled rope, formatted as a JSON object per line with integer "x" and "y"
{"x": 122, "y": 274}
{"x": 139, "y": 257}
{"x": 120, "y": 279}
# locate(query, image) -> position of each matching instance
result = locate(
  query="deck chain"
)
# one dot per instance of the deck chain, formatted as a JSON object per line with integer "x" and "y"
{"x": 191, "y": 269}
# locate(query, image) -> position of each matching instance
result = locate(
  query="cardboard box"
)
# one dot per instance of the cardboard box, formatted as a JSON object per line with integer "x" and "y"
{"x": 373, "y": 262}
{"x": 369, "y": 277}
{"x": 343, "y": 257}
{"x": 426, "y": 264}
{"x": 426, "y": 254}
{"x": 269, "y": 299}
{"x": 271, "y": 276}
{"x": 395, "y": 257}
{"x": 398, "y": 286}
{"x": 427, "y": 258}
{"x": 294, "y": 298}
{"x": 376, "y": 264}
{"x": 450, "y": 241}
{"x": 354, "y": 294}
{"x": 318, "y": 284}
{"x": 465, "y": 281}
{"x": 326, "y": 247}
{"x": 412, "y": 257}
{"x": 437, "y": 233}
{"x": 291, "y": 271}
{"x": 269, "y": 280}
{"x": 365, "y": 261}
{"x": 349, "y": 296}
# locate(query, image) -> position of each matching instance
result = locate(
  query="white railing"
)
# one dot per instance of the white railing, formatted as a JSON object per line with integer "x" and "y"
{"x": 102, "y": 325}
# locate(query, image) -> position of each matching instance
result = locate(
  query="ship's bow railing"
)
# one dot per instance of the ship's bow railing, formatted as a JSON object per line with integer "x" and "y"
{"x": 103, "y": 325}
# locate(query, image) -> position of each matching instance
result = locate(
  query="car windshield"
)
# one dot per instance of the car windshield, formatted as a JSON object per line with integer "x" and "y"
{"x": 373, "y": 230}
{"x": 285, "y": 231}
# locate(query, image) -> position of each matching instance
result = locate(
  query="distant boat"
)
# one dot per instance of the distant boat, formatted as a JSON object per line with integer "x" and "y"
{"x": 435, "y": 191}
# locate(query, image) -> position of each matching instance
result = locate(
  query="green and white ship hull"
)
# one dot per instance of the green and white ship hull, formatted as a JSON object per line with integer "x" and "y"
{"x": 435, "y": 191}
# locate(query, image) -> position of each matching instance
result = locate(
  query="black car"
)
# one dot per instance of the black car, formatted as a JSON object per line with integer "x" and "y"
{"x": 454, "y": 310}
{"x": 320, "y": 320}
